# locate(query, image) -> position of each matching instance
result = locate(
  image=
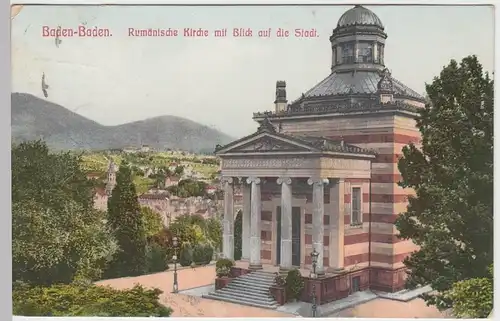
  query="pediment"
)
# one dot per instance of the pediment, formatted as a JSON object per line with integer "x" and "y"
{"x": 268, "y": 143}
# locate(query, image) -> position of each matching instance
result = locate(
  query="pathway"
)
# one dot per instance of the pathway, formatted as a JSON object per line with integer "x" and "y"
{"x": 191, "y": 306}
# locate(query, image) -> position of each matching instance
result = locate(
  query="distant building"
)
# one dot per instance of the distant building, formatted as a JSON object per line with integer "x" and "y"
{"x": 172, "y": 181}
{"x": 171, "y": 207}
{"x": 111, "y": 177}
{"x": 145, "y": 148}
{"x": 130, "y": 150}
{"x": 101, "y": 199}
{"x": 148, "y": 172}
{"x": 93, "y": 175}
{"x": 158, "y": 202}
{"x": 210, "y": 189}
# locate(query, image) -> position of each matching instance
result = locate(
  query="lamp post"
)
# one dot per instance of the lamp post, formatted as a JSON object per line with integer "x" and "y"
{"x": 174, "y": 258}
{"x": 314, "y": 259}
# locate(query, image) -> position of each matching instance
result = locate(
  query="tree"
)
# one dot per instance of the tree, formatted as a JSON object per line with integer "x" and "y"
{"x": 189, "y": 188}
{"x": 214, "y": 232}
{"x": 124, "y": 219}
{"x": 238, "y": 230}
{"x": 58, "y": 245}
{"x": 153, "y": 224}
{"x": 57, "y": 236}
{"x": 451, "y": 216}
{"x": 179, "y": 170}
{"x": 472, "y": 298}
{"x": 50, "y": 179}
{"x": 188, "y": 230}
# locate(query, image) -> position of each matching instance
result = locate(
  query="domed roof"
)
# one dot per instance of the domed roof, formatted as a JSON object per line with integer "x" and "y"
{"x": 359, "y": 15}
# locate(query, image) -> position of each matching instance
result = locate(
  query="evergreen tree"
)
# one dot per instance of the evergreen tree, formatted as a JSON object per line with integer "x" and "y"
{"x": 451, "y": 216}
{"x": 238, "y": 230}
{"x": 125, "y": 220}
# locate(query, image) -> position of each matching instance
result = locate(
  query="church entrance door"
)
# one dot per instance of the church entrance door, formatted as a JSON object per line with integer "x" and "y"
{"x": 295, "y": 236}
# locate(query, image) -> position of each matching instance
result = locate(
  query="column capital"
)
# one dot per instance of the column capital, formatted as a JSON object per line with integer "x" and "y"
{"x": 284, "y": 180}
{"x": 318, "y": 181}
{"x": 226, "y": 179}
{"x": 253, "y": 179}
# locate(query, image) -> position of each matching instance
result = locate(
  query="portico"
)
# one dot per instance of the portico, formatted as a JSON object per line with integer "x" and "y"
{"x": 293, "y": 197}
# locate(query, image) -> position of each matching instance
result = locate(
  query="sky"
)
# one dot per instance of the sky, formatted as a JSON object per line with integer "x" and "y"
{"x": 221, "y": 82}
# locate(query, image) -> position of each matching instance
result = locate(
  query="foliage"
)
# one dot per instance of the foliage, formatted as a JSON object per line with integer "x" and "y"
{"x": 223, "y": 267}
{"x": 156, "y": 258}
{"x": 58, "y": 245}
{"x": 186, "y": 255}
{"x": 96, "y": 162}
{"x": 214, "y": 232}
{"x": 124, "y": 220}
{"x": 143, "y": 184}
{"x": 451, "y": 216}
{"x": 279, "y": 280}
{"x": 224, "y": 263}
{"x": 188, "y": 188}
{"x": 294, "y": 284}
{"x": 472, "y": 298}
{"x": 57, "y": 236}
{"x": 87, "y": 300}
{"x": 153, "y": 224}
{"x": 202, "y": 254}
{"x": 222, "y": 271}
{"x": 50, "y": 179}
{"x": 238, "y": 230}
{"x": 189, "y": 229}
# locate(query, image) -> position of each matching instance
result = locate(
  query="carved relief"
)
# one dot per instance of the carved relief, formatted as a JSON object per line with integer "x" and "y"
{"x": 266, "y": 144}
{"x": 340, "y": 163}
{"x": 296, "y": 162}
{"x": 385, "y": 84}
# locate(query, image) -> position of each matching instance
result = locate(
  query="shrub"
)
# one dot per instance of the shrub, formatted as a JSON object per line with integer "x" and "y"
{"x": 224, "y": 262}
{"x": 222, "y": 271}
{"x": 294, "y": 284}
{"x": 186, "y": 255}
{"x": 279, "y": 280}
{"x": 156, "y": 258}
{"x": 202, "y": 254}
{"x": 87, "y": 300}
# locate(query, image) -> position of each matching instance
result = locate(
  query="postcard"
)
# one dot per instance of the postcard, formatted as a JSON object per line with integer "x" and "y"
{"x": 252, "y": 161}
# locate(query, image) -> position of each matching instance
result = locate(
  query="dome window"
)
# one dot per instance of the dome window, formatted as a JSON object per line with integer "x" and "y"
{"x": 348, "y": 53}
{"x": 365, "y": 52}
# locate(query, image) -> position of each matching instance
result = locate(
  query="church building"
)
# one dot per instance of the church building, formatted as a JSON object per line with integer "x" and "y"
{"x": 320, "y": 173}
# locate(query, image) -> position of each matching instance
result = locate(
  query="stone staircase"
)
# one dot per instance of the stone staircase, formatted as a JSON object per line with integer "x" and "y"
{"x": 250, "y": 289}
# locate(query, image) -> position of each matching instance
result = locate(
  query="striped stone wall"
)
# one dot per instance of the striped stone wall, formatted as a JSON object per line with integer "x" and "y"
{"x": 387, "y": 135}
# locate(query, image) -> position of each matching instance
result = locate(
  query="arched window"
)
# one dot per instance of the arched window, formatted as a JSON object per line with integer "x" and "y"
{"x": 365, "y": 52}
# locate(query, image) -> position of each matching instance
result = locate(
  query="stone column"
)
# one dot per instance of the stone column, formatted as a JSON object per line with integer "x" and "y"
{"x": 317, "y": 219}
{"x": 286, "y": 223}
{"x": 245, "y": 235}
{"x": 255, "y": 229}
{"x": 337, "y": 226}
{"x": 228, "y": 221}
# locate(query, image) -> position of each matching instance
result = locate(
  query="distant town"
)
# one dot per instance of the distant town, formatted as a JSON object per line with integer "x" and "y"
{"x": 159, "y": 177}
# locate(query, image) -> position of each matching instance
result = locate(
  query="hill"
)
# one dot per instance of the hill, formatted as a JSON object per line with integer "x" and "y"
{"x": 35, "y": 118}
